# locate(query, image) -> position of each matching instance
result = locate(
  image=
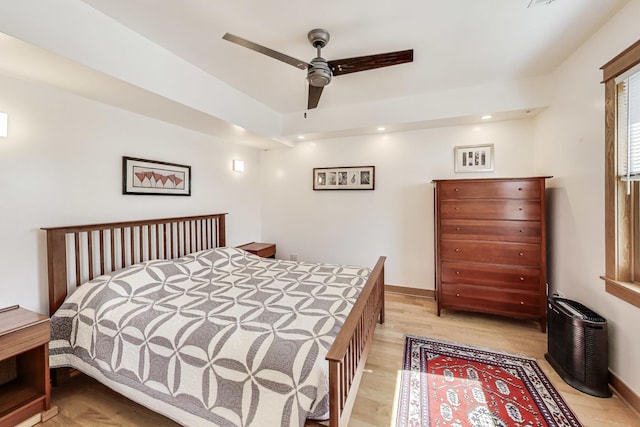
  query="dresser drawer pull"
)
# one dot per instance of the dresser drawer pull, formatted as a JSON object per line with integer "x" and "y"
{"x": 457, "y": 295}
{"x": 521, "y": 231}
{"x": 457, "y": 189}
{"x": 457, "y": 228}
{"x": 457, "y": 272}
{"x": 457, "y": 250}
{"x": 456, "y": 209}
{"x": 522, "y": 279}
{"x": 521, "y": 302}
{"x": 520, "y": 189}
{"x": 521, "y": 254}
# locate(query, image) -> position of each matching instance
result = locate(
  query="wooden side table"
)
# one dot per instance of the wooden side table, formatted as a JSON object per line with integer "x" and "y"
{"x": 25, "y": 390}
{"x": 265, "y": 250}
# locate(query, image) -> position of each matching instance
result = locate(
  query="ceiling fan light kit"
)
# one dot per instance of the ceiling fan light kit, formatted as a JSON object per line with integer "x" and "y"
{"x": 319, "y": 70}
{"x": 319, "y": 73}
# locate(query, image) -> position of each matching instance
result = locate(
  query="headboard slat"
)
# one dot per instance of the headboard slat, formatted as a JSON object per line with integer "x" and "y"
{"x": 102, "y": 257}
{"x": 130, "y": 241}
{"x": 149, "y": 242}
{"x": 76, "y": 244}
{"x": 123, "y": 261}
{"x": 112, "y": 241}
{"x": 191, "y": 237}
{"x": 90, "y": 251}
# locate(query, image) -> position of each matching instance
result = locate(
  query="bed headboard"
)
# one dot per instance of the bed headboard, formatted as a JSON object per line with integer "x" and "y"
{"x": 78, "y": 253}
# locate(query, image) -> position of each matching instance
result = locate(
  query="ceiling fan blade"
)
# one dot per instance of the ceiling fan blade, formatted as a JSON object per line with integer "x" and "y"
{"x": 314, "y": 96}
{"x": 363, "y": 63}
{"x": 266, "y": 51}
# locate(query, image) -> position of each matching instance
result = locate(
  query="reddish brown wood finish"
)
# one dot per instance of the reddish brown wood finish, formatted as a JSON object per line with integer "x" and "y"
{"x": 348, "y": 354}
{"x": 491, "y": 246}
{"x": 128, "y": 241}
{"x": 164, "y": 238}
{"x": 265, "y": 250}
{"x": 24, "y": 335}
{"x": 370, "y": 62}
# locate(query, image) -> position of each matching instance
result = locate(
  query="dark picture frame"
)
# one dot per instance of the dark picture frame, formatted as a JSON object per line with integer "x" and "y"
{"x": 344, "y": 178}
{"x": 153, "y": 177}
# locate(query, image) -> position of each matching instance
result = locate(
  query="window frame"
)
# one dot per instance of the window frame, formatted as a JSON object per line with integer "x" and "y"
{"x": 622, "y": 273}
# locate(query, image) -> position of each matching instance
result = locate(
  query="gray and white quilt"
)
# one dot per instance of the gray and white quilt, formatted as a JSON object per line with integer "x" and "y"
{"x": 219, "y": 337}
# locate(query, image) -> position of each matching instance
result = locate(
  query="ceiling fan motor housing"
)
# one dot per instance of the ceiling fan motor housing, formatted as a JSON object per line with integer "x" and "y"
{"x": 319, "y": 37}
{"x": 319, "y": 73}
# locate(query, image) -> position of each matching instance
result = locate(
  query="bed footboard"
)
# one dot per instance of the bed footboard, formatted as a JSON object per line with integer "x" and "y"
{"x": 348, "y": 354}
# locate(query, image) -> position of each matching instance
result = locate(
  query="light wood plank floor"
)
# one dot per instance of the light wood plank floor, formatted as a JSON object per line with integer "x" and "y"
{"x": 84, "y": 402}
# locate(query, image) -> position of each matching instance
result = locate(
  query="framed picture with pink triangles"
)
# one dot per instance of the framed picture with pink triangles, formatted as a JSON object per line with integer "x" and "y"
{"x": 152, "y": 177}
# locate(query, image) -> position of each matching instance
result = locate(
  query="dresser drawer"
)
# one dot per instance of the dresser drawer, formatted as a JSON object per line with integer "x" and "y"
{"x": 467, "y": 189}
{"x": 516, "y": 254}
{"x": 491, "y": 276}
{"x": 523, "y": 210}
{"x": 500, "y": 230}
{"x": 479, "y": 298}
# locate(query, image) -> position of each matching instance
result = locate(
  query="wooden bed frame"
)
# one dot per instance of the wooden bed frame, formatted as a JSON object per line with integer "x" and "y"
{"x": 76, "y": 254}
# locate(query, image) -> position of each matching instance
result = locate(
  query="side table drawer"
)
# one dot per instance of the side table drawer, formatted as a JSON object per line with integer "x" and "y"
{"x": 21, "y": 340}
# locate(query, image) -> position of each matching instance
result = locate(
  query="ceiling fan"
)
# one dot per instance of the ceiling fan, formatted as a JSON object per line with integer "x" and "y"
{"x": 319, "y": 70}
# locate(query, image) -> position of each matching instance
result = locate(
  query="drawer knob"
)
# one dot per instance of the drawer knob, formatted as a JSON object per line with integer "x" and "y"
{"x": 519, "y": 209}
{"x": 521, "y": 253}
{"x": 457, "y": 295}
{"x": 457, "y": 250}
{"x": 457, "y": 228}
{"x": 457, "y": 209}
{"x": 522, "y": 279}
{"x": 519, "y": 188}
{"x": 521, "y": 302}
{"x": 457, "y": 272}
{"x": 455, "y": 189}
{"x": 521, "y": 231}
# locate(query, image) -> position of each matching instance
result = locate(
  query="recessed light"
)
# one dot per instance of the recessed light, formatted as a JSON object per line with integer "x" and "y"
{"x": 486, "y": 117}
{"x": 300, "y": 137}
{"x": 381, "y": 128}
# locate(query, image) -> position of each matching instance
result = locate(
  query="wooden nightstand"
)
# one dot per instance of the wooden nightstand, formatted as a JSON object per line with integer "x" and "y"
{"x": 25, "y": 391}
{"x": 265, "y": 250}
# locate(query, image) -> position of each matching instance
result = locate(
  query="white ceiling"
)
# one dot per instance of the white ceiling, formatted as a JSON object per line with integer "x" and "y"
{"x": 457, "y": 44}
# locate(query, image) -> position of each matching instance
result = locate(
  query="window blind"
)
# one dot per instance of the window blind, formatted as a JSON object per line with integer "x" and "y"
{"x": 628, "y": 127}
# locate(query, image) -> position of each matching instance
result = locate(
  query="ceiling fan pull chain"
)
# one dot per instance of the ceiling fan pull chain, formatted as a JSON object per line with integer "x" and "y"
{"x": 305, "y": 83}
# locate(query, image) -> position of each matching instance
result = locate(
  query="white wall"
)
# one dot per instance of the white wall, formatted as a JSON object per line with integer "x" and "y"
{"x": 396, "y": 219}
{"x": 62, "y": 165}
{"x": 569, "y": 143}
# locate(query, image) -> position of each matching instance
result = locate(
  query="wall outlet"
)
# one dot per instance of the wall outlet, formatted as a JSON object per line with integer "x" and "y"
{"x": 293, "y": 257}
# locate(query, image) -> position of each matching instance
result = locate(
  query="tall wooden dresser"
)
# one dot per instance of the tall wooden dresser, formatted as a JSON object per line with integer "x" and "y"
{"x": 491, "y": 246}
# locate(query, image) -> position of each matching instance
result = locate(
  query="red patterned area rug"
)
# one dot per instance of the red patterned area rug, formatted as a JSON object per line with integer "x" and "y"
{"x": 445, "y": 384}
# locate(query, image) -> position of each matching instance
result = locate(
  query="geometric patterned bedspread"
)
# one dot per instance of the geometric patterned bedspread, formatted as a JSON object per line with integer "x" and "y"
{"x": 220, "y": 337}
